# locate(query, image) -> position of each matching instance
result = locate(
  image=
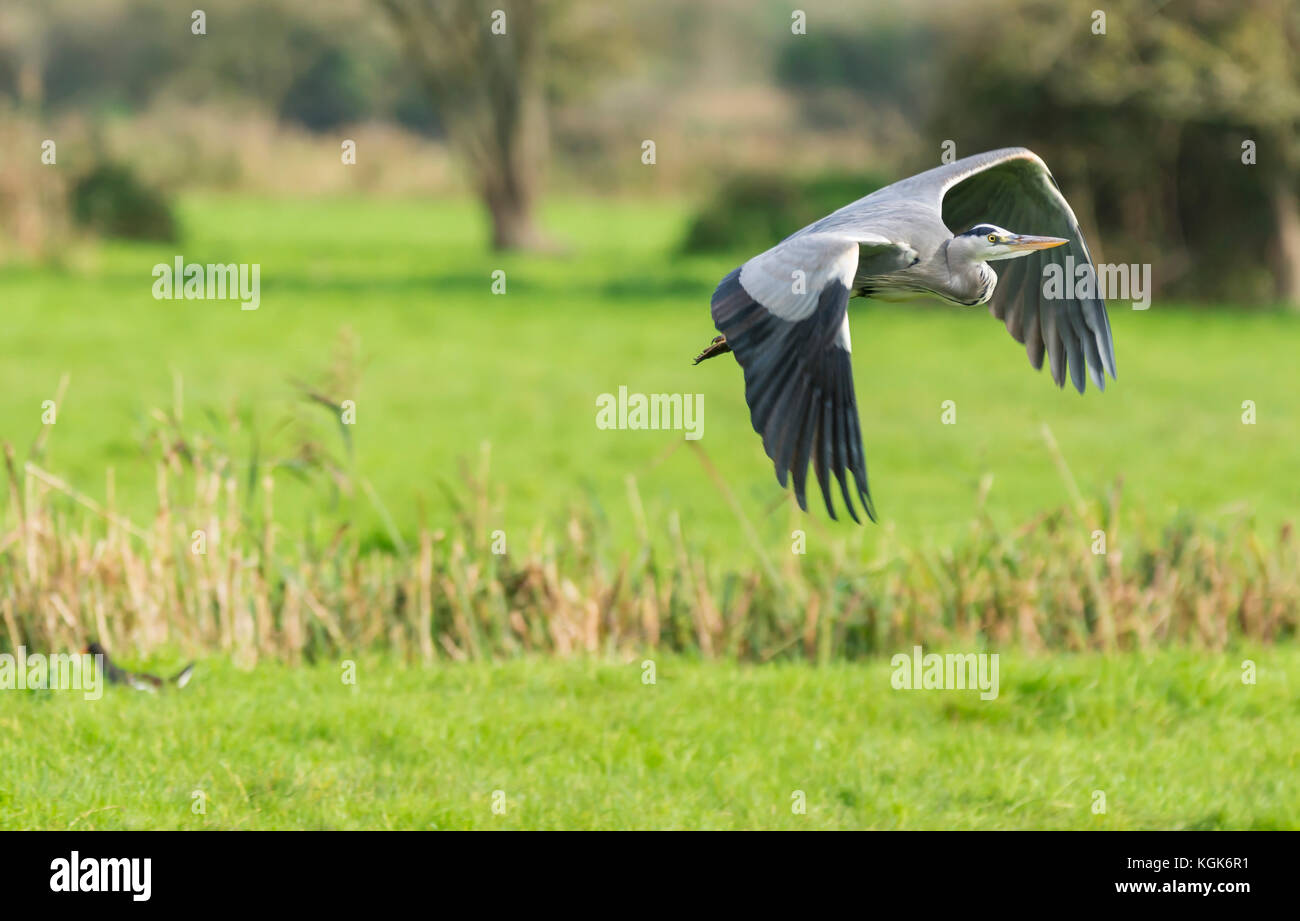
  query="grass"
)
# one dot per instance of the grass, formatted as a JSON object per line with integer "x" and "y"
{"x": 442, "y": 365}
{"x": 622, "y": 546}
{"x": 1173, "y": 740}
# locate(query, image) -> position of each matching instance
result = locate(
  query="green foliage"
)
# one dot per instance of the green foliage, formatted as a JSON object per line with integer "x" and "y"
{"x": 327, "y": 94}
{"x": 414, "y": 109}
{"x": 113, "y": 61}
{"x": 888, "y": 61}
{"x": 753, "y": 212}
{"x": 112, "y": 201}
{"x": 1143, "y": 126}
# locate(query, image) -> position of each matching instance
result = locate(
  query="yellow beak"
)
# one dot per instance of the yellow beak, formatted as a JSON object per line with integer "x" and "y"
{"x": 1024, "y": 243}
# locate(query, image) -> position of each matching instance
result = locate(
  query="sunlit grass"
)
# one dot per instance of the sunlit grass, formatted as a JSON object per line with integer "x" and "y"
{"x": 1173, "y": 740}
{"x": 446, "y": 365}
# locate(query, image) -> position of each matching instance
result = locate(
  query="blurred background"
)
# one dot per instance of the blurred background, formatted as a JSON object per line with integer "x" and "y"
{"x": 384, "y": 160}
{"x": 771, "y": 126}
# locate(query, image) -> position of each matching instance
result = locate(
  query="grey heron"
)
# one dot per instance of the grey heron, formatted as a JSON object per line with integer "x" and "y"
{"x": 784, "y": 313}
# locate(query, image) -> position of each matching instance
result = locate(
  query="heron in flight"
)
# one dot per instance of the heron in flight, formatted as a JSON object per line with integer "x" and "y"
{"x": 784, "y": 313}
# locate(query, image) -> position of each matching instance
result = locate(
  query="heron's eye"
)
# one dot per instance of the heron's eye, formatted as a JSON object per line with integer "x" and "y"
{"x": 993, "y": 238}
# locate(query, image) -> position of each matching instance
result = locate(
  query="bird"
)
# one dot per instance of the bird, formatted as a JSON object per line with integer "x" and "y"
{"x": 783, "y": 314}
{"x": 138, "y": 680}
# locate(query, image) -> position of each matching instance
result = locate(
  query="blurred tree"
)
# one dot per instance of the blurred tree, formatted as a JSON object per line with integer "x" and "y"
{"x": 1134, "y": 120}
{"x": 112, "y": 201}
{"x": 22, "y": 53}
{"x": 750, "y": 212}
{"x": 488, "y": 65}
{"x": 1243, "y": 59}
{"x": 413, "y": 109}
{"x": 886, "y": 59}
{"x": 327, "y": 94}
{"x": 116, "y": 62}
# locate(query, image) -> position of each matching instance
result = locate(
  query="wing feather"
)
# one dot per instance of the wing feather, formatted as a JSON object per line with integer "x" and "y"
{"x": 790, "y": 335}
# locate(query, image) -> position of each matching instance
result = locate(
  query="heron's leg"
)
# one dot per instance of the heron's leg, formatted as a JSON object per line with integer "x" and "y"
{"x": 717, "y": 347}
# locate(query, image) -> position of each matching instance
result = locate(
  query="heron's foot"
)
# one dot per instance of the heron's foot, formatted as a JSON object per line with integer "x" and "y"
{"x": 717, "y": 347}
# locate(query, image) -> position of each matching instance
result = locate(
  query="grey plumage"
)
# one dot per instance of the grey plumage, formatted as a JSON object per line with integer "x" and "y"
{"x": 784, "y": 313}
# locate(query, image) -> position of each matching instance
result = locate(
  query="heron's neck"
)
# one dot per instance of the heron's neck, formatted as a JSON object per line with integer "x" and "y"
{"x": 972, "y": 282}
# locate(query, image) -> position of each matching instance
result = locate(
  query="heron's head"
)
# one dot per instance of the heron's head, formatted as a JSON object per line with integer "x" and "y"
{"x": 988, "y": 242}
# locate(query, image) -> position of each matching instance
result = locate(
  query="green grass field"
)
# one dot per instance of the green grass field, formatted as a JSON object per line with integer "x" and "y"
{"x": 1174, "y": 740}
{"x": 446, "y": 366}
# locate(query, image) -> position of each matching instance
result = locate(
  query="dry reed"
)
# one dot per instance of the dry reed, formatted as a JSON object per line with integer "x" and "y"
{"x": 81, "y": 569}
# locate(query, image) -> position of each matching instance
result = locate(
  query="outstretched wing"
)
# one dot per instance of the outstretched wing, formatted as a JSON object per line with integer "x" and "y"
{"x": 1013, "y": 188}
{"x": 785, "y": 316}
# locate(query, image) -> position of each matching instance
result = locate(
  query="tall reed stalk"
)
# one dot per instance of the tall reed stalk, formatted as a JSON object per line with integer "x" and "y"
{"x": 213, "y": 570}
